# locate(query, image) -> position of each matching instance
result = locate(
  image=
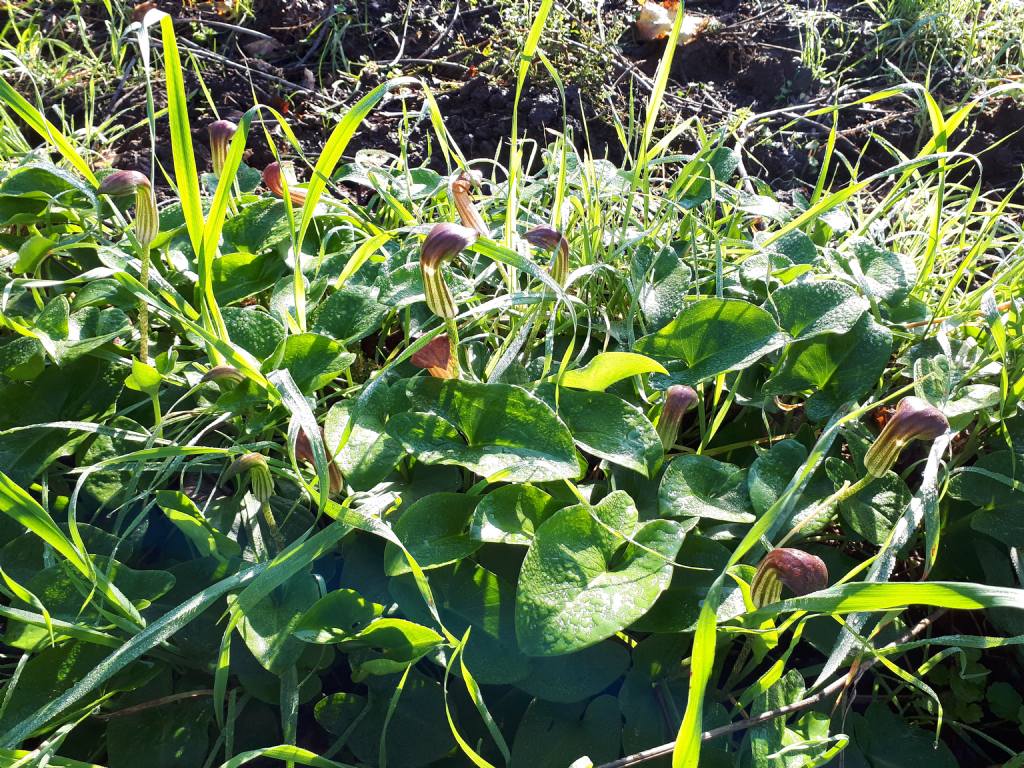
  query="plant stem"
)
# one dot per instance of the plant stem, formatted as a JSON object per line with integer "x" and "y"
{"x": 143, "y": 307}
{"x": 275, "y": 533}
{"x": 158, "y": 420}
{"x": 453, "y": 347}
{"x": 845, "y": 491}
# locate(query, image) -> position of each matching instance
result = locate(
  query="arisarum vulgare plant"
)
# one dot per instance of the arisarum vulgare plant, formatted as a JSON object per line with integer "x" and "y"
{"x": 461, "y": 191}
{"x": 280, "y": 179}
{"x": 914, "y": 419}
{"x": 304, "y": 452}
{"x": 679, "y": 398}
{"x": 147, "y": 227}
{"x": 254, "y": 469}
{"x": 443, "y": 243}
{"x": 548, "y": 238}
{"x": 221, "y": 133}
{"x": 795, "y": 569}
{"x": 224, "y": 373}
{"x": 437, "y": 359}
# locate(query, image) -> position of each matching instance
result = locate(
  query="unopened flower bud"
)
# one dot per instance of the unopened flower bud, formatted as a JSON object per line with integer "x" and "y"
{"x": 255, "y": 466}
{"x": 276, "y": 175}
{"x": 444, "y": 242}
{"x": 914, "y": 419}
{"x": 147, "y": 217}
{"x": 221, "y": 132}
{"x": 550, "y": 239}
{"x": 225, "y": 373}
{"x": 678, "y": 399}
{"x": 800, "y": 571}
{"x": 437, "y": 358}
{"x": 460, "y": 190}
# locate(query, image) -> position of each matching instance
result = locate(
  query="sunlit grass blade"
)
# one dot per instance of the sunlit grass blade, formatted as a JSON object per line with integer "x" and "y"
{"x": 688, "y": 740}
{"x": 47, "y": 130}
{"x": 286, "y": 753}
{"x": 157, "y": 632}
{"x": 866, "y": 596}
{"x": 526, "y": 57}
{"x": 335, "y": 147}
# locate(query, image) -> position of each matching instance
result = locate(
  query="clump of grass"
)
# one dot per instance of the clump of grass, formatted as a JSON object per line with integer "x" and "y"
{"x": 640, "y": 382}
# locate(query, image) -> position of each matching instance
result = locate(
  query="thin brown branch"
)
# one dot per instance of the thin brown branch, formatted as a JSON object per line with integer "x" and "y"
{"x": 162, "y": 701}
{"x": 833, "y": 688}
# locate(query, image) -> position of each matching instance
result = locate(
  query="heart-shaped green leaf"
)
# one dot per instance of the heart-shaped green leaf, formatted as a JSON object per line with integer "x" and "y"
{"x": 713, "y": 336}
{"x": 583, "y": 579}
{"x": 553, "y": 735}
{"x": 312, "y": 359}
{"x": 337, "y": 616}
{"x": 810, "y": 308}
{"x": 369, "y": 454}
{"x": 496, "y": 430}
{"x": 435, "y": 530}
{"x": 835, "y": 368}
{"x": 511, "y": 514}
{"x": 699, "y": 486}
{"x": 608, "y": 427}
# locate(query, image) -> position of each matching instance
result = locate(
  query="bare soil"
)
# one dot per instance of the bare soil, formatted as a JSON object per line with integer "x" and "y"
{"x": 284, "y": 55}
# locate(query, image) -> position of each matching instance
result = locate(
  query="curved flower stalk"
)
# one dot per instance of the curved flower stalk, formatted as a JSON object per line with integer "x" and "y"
{"x": 443, "y": 243}
{"x": 800, "y": 571}
{"x": 550, "y": 239}
{"x": 436, "y": 357}
{"x": 460, "y": 189}
{"x": 257, "y": 472}
{"x": 221, "y": 133}
{"x": 914, "y": 419}
{"x": 678, "y": 400}
{"x": 147, "y": 227}
{"x": 277, "y": 175}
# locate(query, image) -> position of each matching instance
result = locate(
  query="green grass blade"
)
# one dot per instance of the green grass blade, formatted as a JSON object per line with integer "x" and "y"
{"x": 287, "y": 753}
{"x": 186, "y": 177}
{"x": 47, "y": 130}
{"x": 335, "y": 147}
{"x": 887, "y": 596}
{"x": 515, "y": 157}
{"x": 156, "y": 633}
{"x": 22, "y": 508}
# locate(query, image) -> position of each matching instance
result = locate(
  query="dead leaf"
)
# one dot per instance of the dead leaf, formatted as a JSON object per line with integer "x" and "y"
{"x": 656, "y": 19}
{"x": 262, "y": 48}
{"x": 140, "y": 10}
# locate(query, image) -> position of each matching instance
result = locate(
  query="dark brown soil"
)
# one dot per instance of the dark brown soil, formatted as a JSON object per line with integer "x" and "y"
{"x": 310, "y": 59}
